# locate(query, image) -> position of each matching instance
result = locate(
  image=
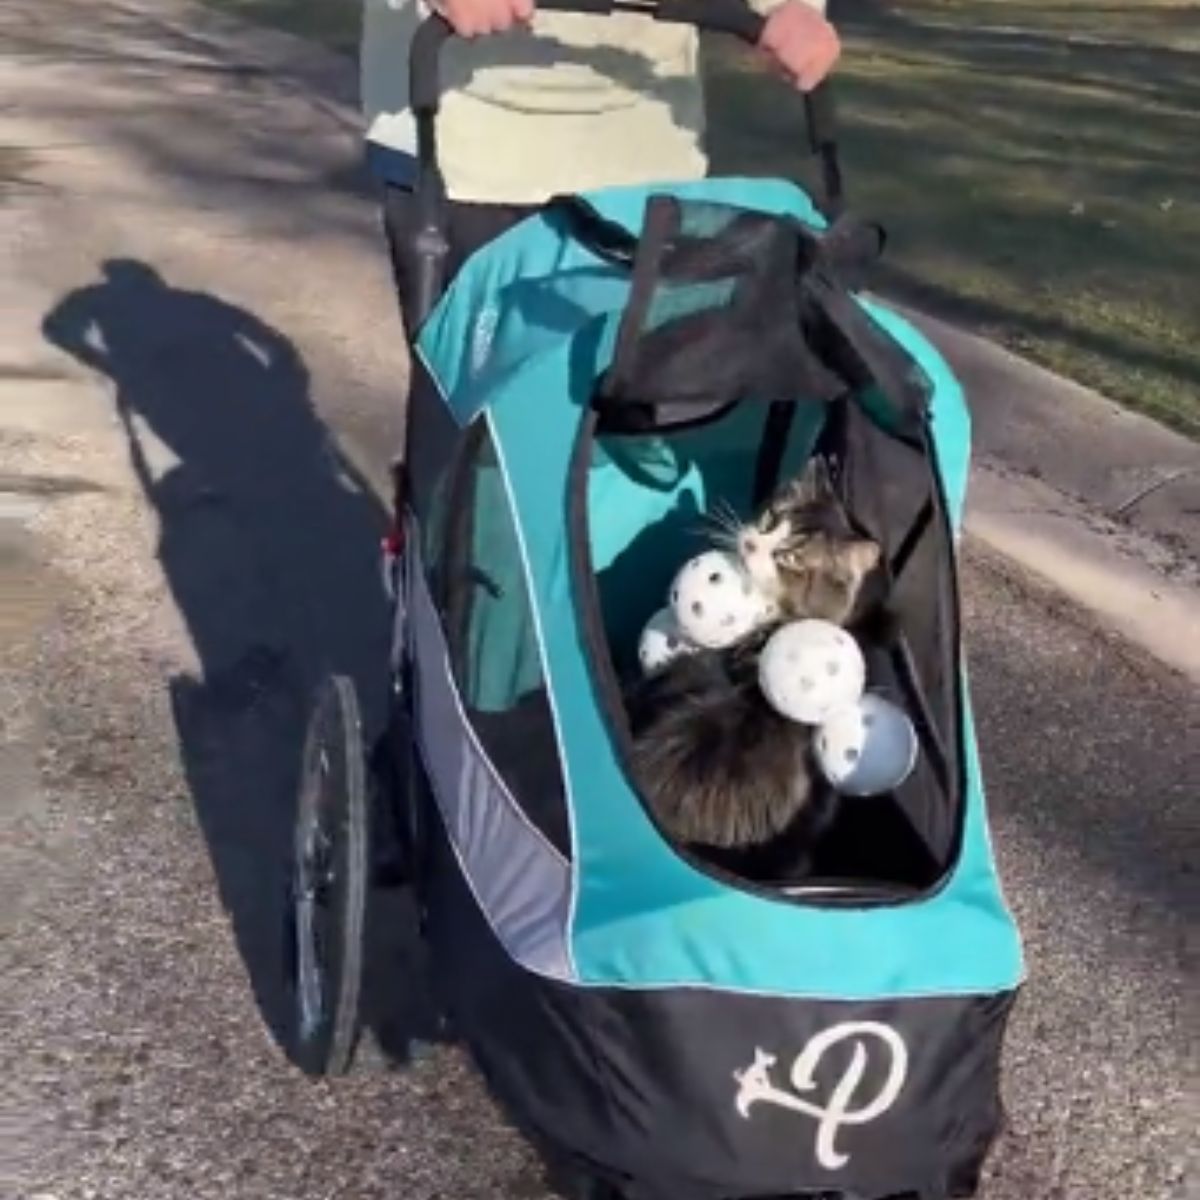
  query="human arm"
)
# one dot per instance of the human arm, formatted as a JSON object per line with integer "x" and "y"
{"x": 800, "y": 39}
{"x": 477, "y": 18}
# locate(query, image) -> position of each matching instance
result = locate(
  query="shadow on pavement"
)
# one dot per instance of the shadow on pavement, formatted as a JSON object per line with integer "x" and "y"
{"x": 1089, "y": 753}
{"x": 268, "y": 540}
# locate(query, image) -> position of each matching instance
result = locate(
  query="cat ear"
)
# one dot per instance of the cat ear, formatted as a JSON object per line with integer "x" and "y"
{"x": 812, "y": 484}
{"x": 862, "y": 556}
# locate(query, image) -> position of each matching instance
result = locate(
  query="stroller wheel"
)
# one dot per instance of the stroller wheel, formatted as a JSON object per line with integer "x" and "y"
{"x": 329, "y": 885}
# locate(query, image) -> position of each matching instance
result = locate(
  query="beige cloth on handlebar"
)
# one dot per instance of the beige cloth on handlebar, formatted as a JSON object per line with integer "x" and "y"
{"x": 578, "y": 103}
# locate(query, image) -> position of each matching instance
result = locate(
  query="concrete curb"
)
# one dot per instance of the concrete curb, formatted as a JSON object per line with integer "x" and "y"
{"x": 1099, "y": 502}
{"x": 1128, "y": 580}
{"x": 1119, "y": 464}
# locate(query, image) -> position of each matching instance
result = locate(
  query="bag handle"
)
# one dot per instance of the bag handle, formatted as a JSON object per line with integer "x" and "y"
{"x": 790, "y": 299}
{"x": 734, "y": 18}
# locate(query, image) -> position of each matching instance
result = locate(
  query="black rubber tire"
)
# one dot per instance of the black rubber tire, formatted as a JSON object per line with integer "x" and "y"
{"x": 329, "y": 885}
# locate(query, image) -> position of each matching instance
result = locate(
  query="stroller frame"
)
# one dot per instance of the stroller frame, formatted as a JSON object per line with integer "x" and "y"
{"x": 593, "y": 1045}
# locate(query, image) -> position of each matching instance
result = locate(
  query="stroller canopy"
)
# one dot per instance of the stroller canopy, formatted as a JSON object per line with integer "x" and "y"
{"x": 516, "y": 351}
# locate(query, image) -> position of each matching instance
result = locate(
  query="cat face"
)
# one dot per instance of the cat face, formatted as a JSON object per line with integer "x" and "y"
{"x": 802, "y": 552}
{"x": 760, "y": 545}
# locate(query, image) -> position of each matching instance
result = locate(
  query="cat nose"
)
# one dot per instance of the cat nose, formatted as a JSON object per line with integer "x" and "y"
{"x": 751, "y": 545}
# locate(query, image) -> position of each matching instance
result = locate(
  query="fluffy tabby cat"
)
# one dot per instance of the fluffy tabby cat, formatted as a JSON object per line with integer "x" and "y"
{"x": 803, "y": 553}
{"x": 721, "y": 769}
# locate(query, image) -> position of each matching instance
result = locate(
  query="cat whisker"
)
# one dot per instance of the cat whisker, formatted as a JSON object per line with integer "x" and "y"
{"x": 717, "y": 520}
{"x": 725, "y": 512}
{"x": 718, "y": 538}
{"x": 724, "y": 517}
{"x": 723, "y": 535}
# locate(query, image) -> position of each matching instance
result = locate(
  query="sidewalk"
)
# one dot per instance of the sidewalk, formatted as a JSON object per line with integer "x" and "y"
{"x": 1101, "y": 502}
{"x": 1119, "y": 465}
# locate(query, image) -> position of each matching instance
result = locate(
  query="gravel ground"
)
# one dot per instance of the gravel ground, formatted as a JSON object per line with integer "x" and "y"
{"x": 138, "y": 1038}
{"x": 141, "y": 966}
{"x": 184, "y": 547}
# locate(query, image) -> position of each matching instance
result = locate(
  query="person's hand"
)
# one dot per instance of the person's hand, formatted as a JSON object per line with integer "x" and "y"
{"x": 475, "y": 18}
{"x": 801, "y": 41}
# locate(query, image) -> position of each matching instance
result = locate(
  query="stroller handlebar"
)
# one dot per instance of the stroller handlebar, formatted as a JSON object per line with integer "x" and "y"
{"x": 734, "y": 18}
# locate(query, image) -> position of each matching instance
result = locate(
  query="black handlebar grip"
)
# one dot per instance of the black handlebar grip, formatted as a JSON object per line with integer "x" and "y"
{"x": 821, "y": 117}
{"x": 597, "y": 8}
{"x": 424, "y": 62}
{"x": 732, "y": 17}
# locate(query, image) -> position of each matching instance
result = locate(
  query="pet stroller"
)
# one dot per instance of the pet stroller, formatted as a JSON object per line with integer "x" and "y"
{"x": 585, "y": 389}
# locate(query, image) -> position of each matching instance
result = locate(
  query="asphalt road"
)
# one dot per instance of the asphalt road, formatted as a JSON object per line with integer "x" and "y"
{"x": 188, "y": 538}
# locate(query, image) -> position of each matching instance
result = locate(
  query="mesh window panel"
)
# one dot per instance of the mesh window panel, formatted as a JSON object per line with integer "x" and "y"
{"x": 492, "y": 634}
{"x": 715, "y": 316}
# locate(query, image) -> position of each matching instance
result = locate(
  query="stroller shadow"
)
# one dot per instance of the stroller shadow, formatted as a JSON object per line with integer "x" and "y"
{"x": 268, "y": 541}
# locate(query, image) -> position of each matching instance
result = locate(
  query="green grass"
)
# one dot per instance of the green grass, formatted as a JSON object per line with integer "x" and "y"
{"x": 1035, "y": 165}
{"x": 1034, "y": 162}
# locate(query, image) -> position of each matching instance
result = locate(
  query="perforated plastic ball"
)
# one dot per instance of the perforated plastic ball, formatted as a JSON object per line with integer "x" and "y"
{"x": 714, "y": 601}
{"x": 867, "y": 748}
{"x": 661, "y": 642}
{"x": 809, "y": 669}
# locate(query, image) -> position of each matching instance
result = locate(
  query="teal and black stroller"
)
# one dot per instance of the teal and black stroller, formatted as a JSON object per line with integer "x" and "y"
{"x": 586, "y": 387}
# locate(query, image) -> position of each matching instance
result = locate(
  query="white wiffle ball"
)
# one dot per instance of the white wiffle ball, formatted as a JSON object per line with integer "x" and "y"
{"x": 810, "y": 669}
{"x": 867, "y": 748}
{"x": 714, "y": 601}
{"x": 662, "y": 642}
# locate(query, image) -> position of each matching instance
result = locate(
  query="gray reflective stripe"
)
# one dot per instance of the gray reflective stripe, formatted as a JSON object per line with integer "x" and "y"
{"x": 520, "y": 881}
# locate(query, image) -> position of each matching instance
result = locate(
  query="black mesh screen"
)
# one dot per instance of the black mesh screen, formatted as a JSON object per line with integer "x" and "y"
{"x": 725, "y": 306}
{"x": 714, "y": 316}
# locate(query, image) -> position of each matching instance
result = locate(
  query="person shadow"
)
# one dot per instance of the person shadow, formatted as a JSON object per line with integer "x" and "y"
{"x": 268, "y": 539}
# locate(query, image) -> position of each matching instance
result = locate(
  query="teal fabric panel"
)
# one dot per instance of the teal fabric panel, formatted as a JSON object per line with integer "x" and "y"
{"x": 532, "y": 287}
{"x": 524, "y": 334}
{"x": 634, "y": 484}
{"x": 644, "y": 499}
{"x": 642, "y": 916}
{"x": 649, "y": 506}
